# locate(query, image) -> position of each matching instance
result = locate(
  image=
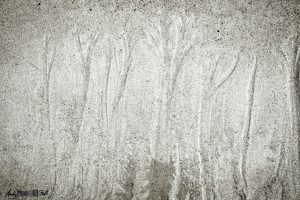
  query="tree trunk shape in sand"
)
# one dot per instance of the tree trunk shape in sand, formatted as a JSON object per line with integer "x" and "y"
{"x": 172, "y": 63}
{"x": 243, "y": 187}
{"x": 46, "y": 135}
{"x": 291, "y": 65}
{"x": 208, "y": 90}
{"x": 123, "y": 62}
{"x": 77, "y": 137}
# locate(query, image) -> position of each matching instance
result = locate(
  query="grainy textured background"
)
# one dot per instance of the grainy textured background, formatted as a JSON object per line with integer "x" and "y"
{"x": 150, "y": 99}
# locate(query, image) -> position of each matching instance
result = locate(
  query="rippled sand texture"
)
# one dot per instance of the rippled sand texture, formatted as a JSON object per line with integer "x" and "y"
{"x": 150, "y": 99}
